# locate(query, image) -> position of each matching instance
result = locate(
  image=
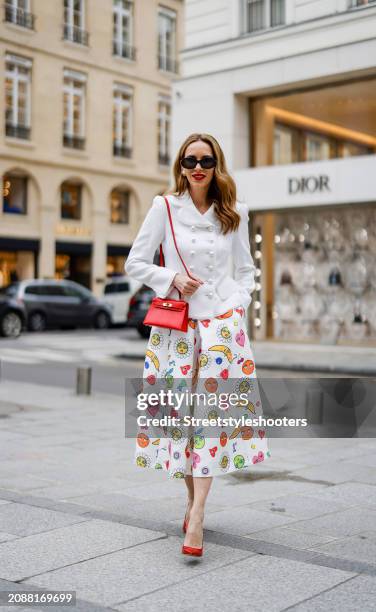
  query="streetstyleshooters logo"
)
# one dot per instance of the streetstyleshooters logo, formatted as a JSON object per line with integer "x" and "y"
{"x": 309, "y": 184}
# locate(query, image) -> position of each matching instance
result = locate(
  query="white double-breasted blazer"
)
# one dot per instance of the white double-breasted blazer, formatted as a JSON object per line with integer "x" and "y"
{"x": 206, "y": 251}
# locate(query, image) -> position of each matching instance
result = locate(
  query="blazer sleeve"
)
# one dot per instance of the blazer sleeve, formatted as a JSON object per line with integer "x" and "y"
{"x": 244, "y": 268}
{"x": 139, "y": 264}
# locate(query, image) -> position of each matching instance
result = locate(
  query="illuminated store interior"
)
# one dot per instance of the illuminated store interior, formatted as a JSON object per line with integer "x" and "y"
{"x": 316, "y": 264}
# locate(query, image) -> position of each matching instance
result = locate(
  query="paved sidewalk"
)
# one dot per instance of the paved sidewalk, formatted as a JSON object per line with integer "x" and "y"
{"x": 297, "y": 533}
{"x": 298, "y": 356}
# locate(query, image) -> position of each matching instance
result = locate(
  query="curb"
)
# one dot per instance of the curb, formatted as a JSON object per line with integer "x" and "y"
{"x": 296, "y": 367}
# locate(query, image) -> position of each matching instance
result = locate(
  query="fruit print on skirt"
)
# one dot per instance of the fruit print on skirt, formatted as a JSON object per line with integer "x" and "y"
{"x": 213, "y": 354}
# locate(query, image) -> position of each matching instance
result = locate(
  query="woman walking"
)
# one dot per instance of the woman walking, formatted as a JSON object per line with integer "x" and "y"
{"x": 210, "y": 226}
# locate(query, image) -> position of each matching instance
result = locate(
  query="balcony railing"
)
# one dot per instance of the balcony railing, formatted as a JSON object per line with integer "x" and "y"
{"x": 74, "y": 142}
{"x": 19, "y": 17}
{"x": 167, "y": 63}
{"x": 164, "y": 159}
{"x": 121, "y": 49}
{"x": 75, "y": 34}
{"x": 17, "y": 131}
{"x": 122, "y": 151}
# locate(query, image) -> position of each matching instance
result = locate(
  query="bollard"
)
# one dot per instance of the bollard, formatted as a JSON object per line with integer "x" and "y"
{"x": 83, "y": 381}
{"x": 314, "y": 406}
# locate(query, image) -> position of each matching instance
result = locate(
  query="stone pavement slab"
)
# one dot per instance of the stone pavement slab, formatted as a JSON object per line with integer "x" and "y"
{"x": 288, "y": 536}
{"x": 339, "y": 524}
{"x": 127, "y": 506}
{"x": 5, "y": 537}
{"x": 24, "y": 482}
{"x": 242, "y": 520}
{"x": 44, "y": 552}
{"x": 22, "y": 519}
{"x": 360, "y": 547}
{"x": 258, "y": 583}
{"x": 262, "y": 489}
{"x": 340, "y": 472}
{"x": 350, "y": 494}
{"x": 299, "y": 506}
{"x": 358, "y": 593}
{"x": 128, "y": 573}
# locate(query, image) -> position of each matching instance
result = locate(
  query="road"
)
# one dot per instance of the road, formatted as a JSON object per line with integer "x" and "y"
{"x": 52, "y": 358}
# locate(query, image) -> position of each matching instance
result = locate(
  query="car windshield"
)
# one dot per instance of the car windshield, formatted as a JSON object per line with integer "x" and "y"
{"x": 10, "y": 290}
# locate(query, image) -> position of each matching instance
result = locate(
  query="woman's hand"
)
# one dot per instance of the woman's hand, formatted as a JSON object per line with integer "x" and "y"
{"x": 185, "y": 284}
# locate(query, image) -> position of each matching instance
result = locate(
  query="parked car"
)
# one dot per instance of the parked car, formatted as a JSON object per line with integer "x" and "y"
{"x": 117, "y": 294}
{"x": 12, "y": 314}
{"x": 138, "y": 307}
{"x": 59, "y": 303}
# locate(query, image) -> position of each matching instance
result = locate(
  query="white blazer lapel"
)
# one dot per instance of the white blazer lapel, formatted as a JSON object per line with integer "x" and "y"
{"x": 189, "y": 215}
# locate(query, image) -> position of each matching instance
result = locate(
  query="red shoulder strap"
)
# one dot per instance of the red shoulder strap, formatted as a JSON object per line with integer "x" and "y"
{"x": 161, "y": 256}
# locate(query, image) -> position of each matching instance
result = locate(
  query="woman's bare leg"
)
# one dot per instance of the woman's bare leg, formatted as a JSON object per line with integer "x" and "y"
{"x": 189, "y": 483}
{"x": 201, "y": 485}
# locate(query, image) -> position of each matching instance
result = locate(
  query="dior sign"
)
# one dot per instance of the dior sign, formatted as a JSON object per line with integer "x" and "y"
{"x": 309, "y": 184}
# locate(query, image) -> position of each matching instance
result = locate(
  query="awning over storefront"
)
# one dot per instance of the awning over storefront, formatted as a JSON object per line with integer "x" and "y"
{"x": 19, "y": 244}
{"x": 115, "y": 250}
{"x": 74, "y": 248}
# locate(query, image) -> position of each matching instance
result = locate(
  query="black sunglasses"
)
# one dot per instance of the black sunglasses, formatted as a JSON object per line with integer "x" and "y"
{"x": 206, "y": 162}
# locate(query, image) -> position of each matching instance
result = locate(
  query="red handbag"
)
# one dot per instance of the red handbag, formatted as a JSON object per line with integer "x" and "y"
{"x": 166, "y": 312}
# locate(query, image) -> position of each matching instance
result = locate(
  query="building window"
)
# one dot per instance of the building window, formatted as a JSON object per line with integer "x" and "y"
{"x": 355, "y": 3}
{"x": 351, "y": 149}
{"x": 71, "y": 194}
{"x": 122, "y": 44}
{"x": 18, "y": 97}
{"x": 15, "y": 194}
{"x": 318, "y": 147}
{"x": 164, "y": 126}
{"x": 286, "y": 145}
{"x": 74, "y": 109}
{"x": 122, "y": 120}
{"x": 263, "y": 14}
{"x": 167, "y": 40}
{"x": 18, "y": 12}
{"x": 74, "y": 22}
{"x": 296, "y": 144}
{"x": 119, "y": 206}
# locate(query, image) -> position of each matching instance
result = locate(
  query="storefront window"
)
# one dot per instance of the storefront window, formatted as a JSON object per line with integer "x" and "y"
{"x": 323, "y": 269}
{"x": 71, "y": 201}
{"x": 8, "y": 268}
{"x": 119, "y": 206}
{"x": 15, "y": 194}
{"x": 115, "y": 265}
{"x": 73, "y": 267}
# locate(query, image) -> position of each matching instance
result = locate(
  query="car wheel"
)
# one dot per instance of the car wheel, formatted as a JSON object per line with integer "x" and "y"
{"x": 36, "y": 322}
{"x": 102, "y": 320}
{"x": 144, "y": 330}
{"x": 11, "y": 325}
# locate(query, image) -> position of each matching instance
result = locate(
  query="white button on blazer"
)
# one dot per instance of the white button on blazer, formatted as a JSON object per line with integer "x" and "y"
{"x": 205, "y": 250}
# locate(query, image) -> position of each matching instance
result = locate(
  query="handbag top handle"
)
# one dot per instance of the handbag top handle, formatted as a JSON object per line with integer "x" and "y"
{"x": 161, "y": 256}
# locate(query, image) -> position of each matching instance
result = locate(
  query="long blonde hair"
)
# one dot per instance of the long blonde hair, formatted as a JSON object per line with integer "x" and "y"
{"x": 222, "y": 188}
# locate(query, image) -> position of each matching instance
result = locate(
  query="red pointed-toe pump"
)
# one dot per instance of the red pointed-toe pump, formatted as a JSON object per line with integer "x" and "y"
{"x": 193, "y": 550}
